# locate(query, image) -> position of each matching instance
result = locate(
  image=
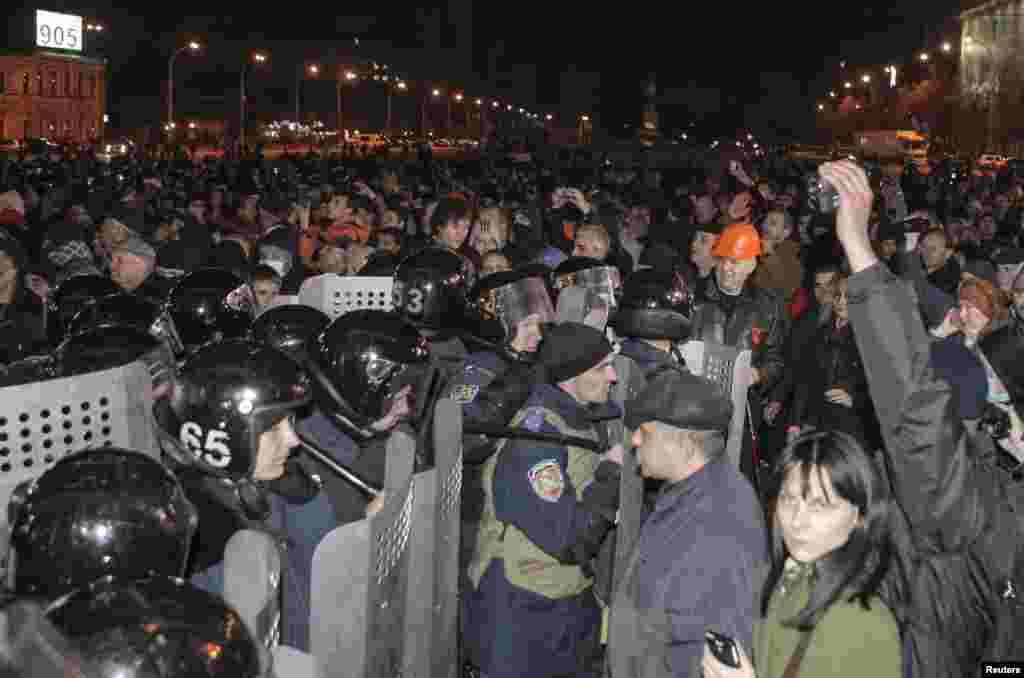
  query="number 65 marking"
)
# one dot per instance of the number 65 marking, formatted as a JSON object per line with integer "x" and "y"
{"x": 214, "y": 450}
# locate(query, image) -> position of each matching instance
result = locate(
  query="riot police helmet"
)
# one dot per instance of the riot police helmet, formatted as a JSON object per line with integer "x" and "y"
{"x": 210, "y": 304}
{"x": 654, "y": 305}
{"x": 429, "y": 290}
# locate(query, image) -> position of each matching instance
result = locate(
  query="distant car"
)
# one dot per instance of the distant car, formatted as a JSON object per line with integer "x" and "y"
{"x": 115, "y": 149}
{"x": 9, "y": 145}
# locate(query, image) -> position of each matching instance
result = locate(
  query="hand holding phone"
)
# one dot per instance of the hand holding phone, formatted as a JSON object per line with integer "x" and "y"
{"x": 723, "y": 648}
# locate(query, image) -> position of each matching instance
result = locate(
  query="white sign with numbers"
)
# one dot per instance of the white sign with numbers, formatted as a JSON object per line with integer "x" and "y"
{"x": 58, "y": 31}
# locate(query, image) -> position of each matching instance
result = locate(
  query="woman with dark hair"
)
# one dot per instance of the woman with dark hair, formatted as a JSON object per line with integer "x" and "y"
{"x": 835, "y": 540}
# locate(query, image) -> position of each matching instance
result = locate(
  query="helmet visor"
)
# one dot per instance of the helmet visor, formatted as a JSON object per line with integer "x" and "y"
{"x": 520, "y": 300}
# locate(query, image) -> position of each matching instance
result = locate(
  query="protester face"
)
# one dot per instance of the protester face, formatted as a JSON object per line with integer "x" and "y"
{"x": 129, "y": 271}
{"x": 494, "y": 262}
{"x": 387, "y": 242}
{"x": 840, "y": 303}
{"x": 8, "y": 271}
{"x": 357, "y": 258}
{"x": 934, "y": 251}
{"x": 528, "y": 334}
{"x": 333, "y": 259}
{"x": 972, "y": 319}
{"x": 587, "y": 246}
{"x": 773, "y": 230}
{"x": 704, "y": 209}
{"x": 655, "y": 448}
{"x": 492, "y": 233}
{"x": 733, "y": 273}
{"x": 454, "y": 233}
{"x": 815, "y": 520}
{"x": 824, "y": 287}
{"x": 197, "y": 209}
{"x": 594, "y": 385}
{"x": 274, "y": 447}
{"x": 390, "y": 219}
{"x": 701, "y": 246}
{"x": 265, "y": 291}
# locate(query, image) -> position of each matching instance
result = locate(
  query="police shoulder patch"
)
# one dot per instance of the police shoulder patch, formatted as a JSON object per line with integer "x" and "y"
{"x": 465, "y": 393}
{"x": 547, "y": 480}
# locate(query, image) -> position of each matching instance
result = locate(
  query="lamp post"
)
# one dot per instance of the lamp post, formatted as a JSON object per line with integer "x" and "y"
{"x": 192, "y": 46}
{"x": 401, "y": 86}
{"x": 313, "y": 70}
{"x": 258, "y": 58}
{"x": 348, "y": 76}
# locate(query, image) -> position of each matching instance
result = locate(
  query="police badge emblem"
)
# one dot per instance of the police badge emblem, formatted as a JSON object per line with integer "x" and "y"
{"x": 547, "y": 480}
{"x": 465, "y": 393}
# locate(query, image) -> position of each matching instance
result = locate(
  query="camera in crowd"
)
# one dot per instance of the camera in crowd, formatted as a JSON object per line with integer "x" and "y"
{"x": 822, "y": 197}
{"x": 995, "y": 421}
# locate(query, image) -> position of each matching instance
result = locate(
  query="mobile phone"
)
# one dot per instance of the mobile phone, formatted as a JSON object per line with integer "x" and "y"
{"x": 723, "y": 648}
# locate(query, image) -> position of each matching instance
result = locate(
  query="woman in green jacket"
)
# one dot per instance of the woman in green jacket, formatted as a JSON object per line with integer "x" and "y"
{"x": 836, "y": 538}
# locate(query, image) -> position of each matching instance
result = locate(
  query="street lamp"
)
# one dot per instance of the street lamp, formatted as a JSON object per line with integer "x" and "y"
{"x": 821, "y": 107}
{"x": 399, "y": 85}
{"x": 947, "y": 47}
{"x": 548, "y": 116}
{"x": 313, "y": 70}
{"x": 832, "y": 94}
{"x": 865, "y": 78}
{"x": 257, "y": 58}
{"x": 924, "y": 56}
{"x": 436, "y": 92}
{"x": 349, "y": 75}
{"x": 98, "y": 28}
{"x": 847, "y": 84}
{"x": 192, "y": 46}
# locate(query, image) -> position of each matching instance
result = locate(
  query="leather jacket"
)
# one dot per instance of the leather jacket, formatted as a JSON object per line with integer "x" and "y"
{"x": 754, "y": 319}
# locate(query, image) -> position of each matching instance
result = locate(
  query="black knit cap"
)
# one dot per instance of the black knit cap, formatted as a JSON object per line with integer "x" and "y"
{"x": 570, "y": 349}
{"x": 682, "y": 400}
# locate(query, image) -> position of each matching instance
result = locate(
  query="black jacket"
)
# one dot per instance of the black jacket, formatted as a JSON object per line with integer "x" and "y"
{"x": 755, "y": 319}
{"x": 966, "y": 575}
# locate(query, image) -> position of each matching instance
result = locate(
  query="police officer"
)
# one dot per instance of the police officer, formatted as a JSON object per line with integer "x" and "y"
{"x": 429, "y": 292}
{"x": 732, "y": 312}
{"x": 209, "y": 304}
{"x": 362, "y": 365}
{"x": 107, "y": 511}
{"x": 227, "y": 429}
{"x": 548, "y": 507}
{"x": 507, "y": 312}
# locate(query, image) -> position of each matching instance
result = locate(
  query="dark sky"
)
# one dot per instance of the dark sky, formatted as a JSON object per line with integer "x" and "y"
{"x": 726, "y": 65}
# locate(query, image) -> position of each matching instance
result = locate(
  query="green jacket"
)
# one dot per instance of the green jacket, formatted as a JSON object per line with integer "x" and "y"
{"x": 848, "y": 640}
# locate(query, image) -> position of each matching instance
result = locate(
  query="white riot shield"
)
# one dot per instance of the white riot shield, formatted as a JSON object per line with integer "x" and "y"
{"x": 631, "y": 484}
{"x": 252, "y": 583}
{"x": 336, "y": 295}
{"x": 431, "y": 609}
{"x": 360, "y": 570}
{"x": 45, "y": 421}
{"x": 729, "y": 368}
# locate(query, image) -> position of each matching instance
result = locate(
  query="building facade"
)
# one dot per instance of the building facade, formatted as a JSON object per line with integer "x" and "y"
{"x": 991, "y": 74}
{"x": 60, "y": 96}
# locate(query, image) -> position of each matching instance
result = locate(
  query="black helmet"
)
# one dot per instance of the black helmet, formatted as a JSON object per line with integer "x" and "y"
{"x": 28, "y": 370}
{"x": 223, "y": 398}
{"x": 208, "y": 305}
{"x": 94, "y": 513}
{"x": 355, "y": 360}
{"x": 70, "y": 298}
{"x": 501, "y": 300}
{"x": 155, "y": 628}
{"x": 108, "y": 346}
{"x": 654, "y": 305}
{"x": 127, "y": 310}
{"x": 430, "y": 289}
{"x": 290, "y": 328}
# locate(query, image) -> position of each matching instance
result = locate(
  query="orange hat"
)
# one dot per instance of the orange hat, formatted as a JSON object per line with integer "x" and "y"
{"x": 738, "y": 241}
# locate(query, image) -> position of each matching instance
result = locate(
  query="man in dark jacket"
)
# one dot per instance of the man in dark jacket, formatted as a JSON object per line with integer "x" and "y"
{"x": 696, "y": 565}
{"x": 731, "y": 312}
{"x": 963, "y": 590}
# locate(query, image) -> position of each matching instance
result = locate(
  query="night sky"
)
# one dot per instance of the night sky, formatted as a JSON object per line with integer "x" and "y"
{"x": 723, "y": 66}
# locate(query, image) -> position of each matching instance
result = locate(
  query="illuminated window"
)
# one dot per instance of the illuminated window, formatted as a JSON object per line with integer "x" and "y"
{"x": 26, "y": 83}
{"x": 3, "y": 83}
{"x": 53, "y": 84}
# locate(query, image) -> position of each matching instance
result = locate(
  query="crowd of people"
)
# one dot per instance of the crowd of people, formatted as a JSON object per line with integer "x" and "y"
{"x": 868, "y": 522}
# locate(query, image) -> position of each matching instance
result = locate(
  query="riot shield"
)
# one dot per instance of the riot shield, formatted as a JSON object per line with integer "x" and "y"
{"x": 360, "y": 570}
{"x": 729, "y": 368}
{"x": 336, "y": 295}
{"x": 431, "y": 612}
{"x": 43, "y": 421}
{"x": 252, "y": 583}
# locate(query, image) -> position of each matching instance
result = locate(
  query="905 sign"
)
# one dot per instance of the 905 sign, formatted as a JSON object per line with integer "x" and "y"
{"x": 58, "y": 31}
